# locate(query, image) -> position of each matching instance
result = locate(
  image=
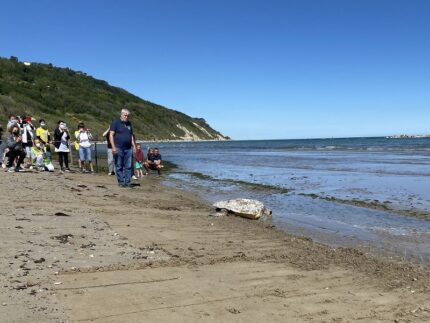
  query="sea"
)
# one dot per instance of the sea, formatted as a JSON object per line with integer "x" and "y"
{"x": 372, "y": 193}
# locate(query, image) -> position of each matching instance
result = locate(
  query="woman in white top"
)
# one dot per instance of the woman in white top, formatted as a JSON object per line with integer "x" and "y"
{"x": 61, "y": 143}
{"x": 28, "y": 139}
{"x": 83, "y": 136}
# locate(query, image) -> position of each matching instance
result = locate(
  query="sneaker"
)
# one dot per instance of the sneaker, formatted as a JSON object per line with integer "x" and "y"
{"x": 113, "y": 173}
{"x": 11, "y": 170}
{"x": 134, "y": 177}
{"x": 31, "y": 167}
{"x": 110, "y": 174}
{"x": 67, "y": 170}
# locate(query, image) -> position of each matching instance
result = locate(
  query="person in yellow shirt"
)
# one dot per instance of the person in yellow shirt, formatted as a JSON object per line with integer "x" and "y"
{"x": 40, "y": 159}
{"x": 42, "y": 133}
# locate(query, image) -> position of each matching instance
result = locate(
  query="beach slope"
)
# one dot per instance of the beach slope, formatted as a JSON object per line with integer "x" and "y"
{"x": 78, "y": 248}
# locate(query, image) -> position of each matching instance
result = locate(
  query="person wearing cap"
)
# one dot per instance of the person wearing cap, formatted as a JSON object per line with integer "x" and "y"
{"x": 123, "y": 145}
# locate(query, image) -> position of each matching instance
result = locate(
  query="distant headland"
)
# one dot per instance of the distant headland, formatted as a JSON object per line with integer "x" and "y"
{"x": 404, "y": 136}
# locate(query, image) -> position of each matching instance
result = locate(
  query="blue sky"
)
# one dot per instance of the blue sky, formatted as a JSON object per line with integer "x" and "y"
{"x": 253, "y": 69}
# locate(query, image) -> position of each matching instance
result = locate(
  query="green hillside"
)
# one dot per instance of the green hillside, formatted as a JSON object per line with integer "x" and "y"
{"x": 52, "y": 93}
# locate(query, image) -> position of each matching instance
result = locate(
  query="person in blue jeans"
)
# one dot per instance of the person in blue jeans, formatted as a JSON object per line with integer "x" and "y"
{"x": 123, "y": 146}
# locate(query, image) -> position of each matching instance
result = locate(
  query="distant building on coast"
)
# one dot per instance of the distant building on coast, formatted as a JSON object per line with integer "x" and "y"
{"x": 407, "y": 136}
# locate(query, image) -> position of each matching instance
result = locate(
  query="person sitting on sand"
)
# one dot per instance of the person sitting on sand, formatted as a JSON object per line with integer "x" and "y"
{"x": 40, "y": 158}
{"x": 15, "y": 150}
{"x": 140, "y": 159}
{"x": 153, "y": 160}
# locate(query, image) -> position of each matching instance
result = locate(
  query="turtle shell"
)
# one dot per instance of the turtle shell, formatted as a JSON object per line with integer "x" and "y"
{"x": 251, "y": 209}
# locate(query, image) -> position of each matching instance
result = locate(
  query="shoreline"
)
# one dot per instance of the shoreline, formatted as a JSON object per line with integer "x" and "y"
{"x": 158, "y": 245}
{"x": 374, "y": 205}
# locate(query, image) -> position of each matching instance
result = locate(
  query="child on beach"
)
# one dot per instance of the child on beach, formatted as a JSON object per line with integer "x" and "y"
{"x": 40, "y": 158}
{"x": 139, "y": 162}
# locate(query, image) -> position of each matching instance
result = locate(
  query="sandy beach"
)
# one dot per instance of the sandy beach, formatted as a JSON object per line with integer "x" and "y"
{"x": 77, "y": 248}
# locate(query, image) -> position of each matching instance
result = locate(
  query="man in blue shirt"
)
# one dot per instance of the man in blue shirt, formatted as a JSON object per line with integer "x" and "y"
{"x": 123, "y": 145}
{"x": 153, "y": 160}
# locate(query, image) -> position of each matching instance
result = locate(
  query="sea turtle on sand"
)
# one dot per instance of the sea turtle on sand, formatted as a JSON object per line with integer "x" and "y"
{"x": 250, "y": 209}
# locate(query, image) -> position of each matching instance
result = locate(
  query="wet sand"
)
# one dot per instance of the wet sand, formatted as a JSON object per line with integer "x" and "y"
{"x": 77, "y": 248}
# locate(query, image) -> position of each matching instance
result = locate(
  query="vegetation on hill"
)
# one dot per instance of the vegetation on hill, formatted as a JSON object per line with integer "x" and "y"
{"x": 52, "y": 93}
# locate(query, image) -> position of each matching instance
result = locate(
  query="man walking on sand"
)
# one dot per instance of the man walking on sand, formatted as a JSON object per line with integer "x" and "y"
{"x": 123, "y": 145}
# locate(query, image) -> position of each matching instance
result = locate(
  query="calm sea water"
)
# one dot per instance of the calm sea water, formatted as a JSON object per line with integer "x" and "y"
{"x": 307, "y": 182}
{"x": 320, "y": 175}
{"x": 396, "y": 171}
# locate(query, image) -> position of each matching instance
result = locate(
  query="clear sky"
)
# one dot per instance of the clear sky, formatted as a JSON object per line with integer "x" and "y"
{"x": 254, "y": 69}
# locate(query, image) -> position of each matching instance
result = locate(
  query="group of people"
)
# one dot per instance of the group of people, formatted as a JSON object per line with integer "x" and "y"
{"x": 28, "y": 147}
{"x": 25, "y": 146}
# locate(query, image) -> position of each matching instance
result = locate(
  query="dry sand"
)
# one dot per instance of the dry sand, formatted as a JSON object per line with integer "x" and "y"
{"x": 77, "y": 248}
